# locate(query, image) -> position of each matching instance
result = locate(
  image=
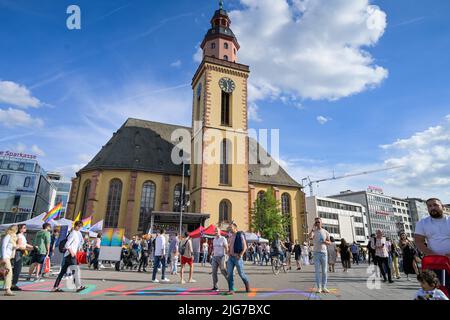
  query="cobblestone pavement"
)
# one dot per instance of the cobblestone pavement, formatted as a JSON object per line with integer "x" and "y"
{"x": 359, "y": 283}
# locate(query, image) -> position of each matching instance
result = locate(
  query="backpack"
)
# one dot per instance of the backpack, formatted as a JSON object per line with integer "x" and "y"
{"x": 62, "y": 244}
{"x": 182, "y": 248}
{"x": 238, "y": 243}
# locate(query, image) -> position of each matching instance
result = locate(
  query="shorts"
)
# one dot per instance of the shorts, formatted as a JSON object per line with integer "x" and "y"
{"x": 185, "y": 260}
{"x": 38, "y": 258}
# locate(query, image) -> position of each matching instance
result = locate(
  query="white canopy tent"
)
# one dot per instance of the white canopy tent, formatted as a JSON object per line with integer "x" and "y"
{"x": 37, "y": 222}
{"x": 253, "y": 237}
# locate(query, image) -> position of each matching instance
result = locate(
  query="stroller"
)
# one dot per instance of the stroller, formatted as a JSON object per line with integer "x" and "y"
{"x": 440, "y": 265}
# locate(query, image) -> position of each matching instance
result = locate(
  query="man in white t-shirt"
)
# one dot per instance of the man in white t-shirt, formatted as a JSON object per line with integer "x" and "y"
{"x": 160, "y": 257}
{"x": 220, "y": 249}
{"x": 321, "y": 238}
{"x": 435, "y": 231}
{"x": 72, "y": 246}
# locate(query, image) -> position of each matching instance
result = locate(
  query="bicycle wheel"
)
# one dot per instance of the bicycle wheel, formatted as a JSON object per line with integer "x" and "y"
{"x": 275, "y": 266}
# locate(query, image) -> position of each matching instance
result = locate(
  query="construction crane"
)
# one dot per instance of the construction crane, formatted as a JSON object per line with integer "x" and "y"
{"x": 310, "y": 183}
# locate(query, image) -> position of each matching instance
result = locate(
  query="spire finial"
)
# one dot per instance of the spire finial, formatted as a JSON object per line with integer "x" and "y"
{"x": 221, "y": 4}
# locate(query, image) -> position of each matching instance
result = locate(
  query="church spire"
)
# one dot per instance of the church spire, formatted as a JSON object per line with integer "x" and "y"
{"x": 220, "y": 42}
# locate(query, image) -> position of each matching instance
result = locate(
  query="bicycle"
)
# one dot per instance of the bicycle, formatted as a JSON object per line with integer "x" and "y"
{"x": 277, "y": 265}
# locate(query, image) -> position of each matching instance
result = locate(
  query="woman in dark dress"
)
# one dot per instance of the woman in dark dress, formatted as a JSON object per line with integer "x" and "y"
{"x": 344, "y": 250}
{"x": 409, "y": 256}
{"x": 298, "y": 254}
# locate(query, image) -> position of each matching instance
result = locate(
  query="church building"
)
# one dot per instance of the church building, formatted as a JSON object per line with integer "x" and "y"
{"x": 135, "y": 182}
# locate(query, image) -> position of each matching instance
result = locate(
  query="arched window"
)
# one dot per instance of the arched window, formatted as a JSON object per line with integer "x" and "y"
{"x": 225, "y": 109}
{"x": 261, "y": 195}
{"x": 286, "y": 210}
{"x": 225, "y": 166}
{"x": 225, "y": 57}
{"x": 225, "y": 211}
{"x": 113, "y": 204}
{"x": 213, "y": 45}
{"x": 177, "y": 198}
{"x": 86, "y": 191}
{"x": 225, "y": 45}
{"x": 147, "y": 202}
{"x": 286, "y": 203}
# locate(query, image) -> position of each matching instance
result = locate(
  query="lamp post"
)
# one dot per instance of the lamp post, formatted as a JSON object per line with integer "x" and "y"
{"x": 182, "y": 201}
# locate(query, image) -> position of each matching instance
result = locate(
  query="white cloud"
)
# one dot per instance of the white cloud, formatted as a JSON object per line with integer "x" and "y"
{"x": 198, "y": 55}
{"x": 425, "y": 157}
{"x": 18, "y": 118}
{"x": 253, "y": 112}
{"x": 37, "y": 151}
{"x": 176, "y": 64}
{"x": 316, "y": 48}
{"x": 15, "y": 94}
{"x": 20, "y": 147}
{"x": 322, "y": 120}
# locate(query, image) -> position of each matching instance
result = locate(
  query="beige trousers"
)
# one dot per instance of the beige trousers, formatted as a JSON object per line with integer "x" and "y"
{"x": 8, "y": 278}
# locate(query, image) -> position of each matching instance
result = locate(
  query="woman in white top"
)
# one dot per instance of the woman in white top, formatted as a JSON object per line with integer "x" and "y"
{"x": 22, "y": 246}
{"x": 205, "y": 252}
{"x": 305, "y": 254}
{"x": 9, "y": 245}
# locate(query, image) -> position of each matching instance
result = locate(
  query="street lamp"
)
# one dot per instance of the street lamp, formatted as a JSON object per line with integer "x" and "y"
{"x": 182, "y": 201}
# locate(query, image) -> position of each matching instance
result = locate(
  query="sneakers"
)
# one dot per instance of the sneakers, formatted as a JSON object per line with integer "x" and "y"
{"x": 165, "y": 280}
{"x": 15, "y": 288}
{"x": 318, "y": 290}
{"x": 155, "y": 281}
{"x": 183, "y": 281}
{"x": 215, "y": 289}
{"x": 192, "y": 281}
{"x": 9, "y": 293}
{"x": 325, "y": 290}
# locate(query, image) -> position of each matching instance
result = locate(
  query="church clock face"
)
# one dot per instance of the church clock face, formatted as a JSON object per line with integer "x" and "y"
{"x": 227, "y": 85}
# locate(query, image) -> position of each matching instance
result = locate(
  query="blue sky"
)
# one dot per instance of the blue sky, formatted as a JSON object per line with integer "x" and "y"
{"x": 381, "y": 79}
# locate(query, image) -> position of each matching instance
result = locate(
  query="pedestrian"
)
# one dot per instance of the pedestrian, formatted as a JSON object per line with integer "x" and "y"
{"x": 409, "y": 254}
{"x": 288, "y": 246}
{"x": 355, "y": 253}
{"x": 382, "y": 256}
{"x": 41, "y": 244}
{"x": 204, "y": 252}
{"x": 298, "y": 254}
{"x": 276, "y": 249}
{"x": 435, "y": 231}
{"x": 371, "y": 251}
{"x": 395, "y": 253}
{"x": 143, "y": 261}
{"x": 237, "y": 248}
{"x": 321, "y": 239}
{"x": 160, "y": 257}
{"x": 332, "y": 254}
{"x": 344, "y": 251}
{"x": 22, "y": 246}
{"x": 220, "y": 250}
{"x": 197, "y": 248}
{"x": 95, "y": 251}
{"x": 429, "y": 290}
{"x": 305, "y": 254}
{"x": 186, "y": 252}
{"x": 72, "y": 246}
{"x": 9, "y": 246}
{"x": 53, "y": 239}
{"x": 174, "y": 253}
{"x": 265, "y": 254}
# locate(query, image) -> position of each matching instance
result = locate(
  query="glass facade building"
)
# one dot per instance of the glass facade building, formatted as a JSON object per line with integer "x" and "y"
{"x": 25, "y": 190}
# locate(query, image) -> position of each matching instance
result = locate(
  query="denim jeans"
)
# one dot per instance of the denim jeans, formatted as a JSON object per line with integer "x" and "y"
{"x": 162, "y": 260}
{"x": 174, "y": 263}
{"x": 239, "y": 264}
{"x": 204, "y": 257}
{"x": 321, "y": 268}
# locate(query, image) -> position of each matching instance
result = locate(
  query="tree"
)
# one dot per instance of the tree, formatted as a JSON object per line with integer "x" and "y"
{"x": 266, "y": 217}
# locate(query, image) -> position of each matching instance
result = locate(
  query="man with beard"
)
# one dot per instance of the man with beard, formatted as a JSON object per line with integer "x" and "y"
{"x": 435, "y": 230}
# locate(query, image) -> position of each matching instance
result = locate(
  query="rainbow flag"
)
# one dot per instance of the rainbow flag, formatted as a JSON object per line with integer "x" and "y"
{"x": 53, "y": 213}
{"x": 87, "y": 223}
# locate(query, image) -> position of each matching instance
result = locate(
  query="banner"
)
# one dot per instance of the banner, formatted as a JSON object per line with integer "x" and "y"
{"x": 111, "y": 244}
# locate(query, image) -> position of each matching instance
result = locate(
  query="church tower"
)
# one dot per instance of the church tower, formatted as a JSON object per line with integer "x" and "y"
{"x": 219, "y": 158}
